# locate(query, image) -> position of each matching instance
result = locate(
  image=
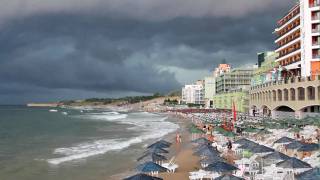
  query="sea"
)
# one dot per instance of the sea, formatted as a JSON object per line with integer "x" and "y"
{"x": 74, "y": 143}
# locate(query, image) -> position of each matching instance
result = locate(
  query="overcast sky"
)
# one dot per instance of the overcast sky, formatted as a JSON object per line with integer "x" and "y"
{"x": 71, "y": 49}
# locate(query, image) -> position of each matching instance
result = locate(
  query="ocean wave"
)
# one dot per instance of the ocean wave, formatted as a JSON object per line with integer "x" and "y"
{"x": 103, "y": 116}
{"x": 150, "y": 128}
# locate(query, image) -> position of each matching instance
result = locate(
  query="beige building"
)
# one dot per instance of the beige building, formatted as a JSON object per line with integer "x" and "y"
{"x": 293, "y": 88}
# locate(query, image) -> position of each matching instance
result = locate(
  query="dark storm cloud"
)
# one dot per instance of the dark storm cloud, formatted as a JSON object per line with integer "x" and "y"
{"x": 62, "y": 51}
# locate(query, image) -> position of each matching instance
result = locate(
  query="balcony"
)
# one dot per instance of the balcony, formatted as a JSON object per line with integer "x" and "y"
{"x": 287, "y": 43}
{"x": 317, "y": 30}
{"x": 295, "y": 11}
{"x": 287, "y": 30}
{"x": 315, "y": 18}
{"x": 317, "y": 56}
{"x": 289, "y": 52}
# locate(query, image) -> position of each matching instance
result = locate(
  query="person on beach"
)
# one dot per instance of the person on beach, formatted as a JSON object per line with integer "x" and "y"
{"x": 229, "y": 144}
{"x": 178, "y": 138}
{"x": 318, "y": 135}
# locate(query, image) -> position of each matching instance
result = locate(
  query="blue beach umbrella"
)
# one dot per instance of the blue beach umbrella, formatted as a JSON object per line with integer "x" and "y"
{"x": 159, "y": 144}
{"x": 228, "y": 177}
{"x": 150, "y": 167}
{"x": 276, "y": 156}
{"x": 284, "y": 140}
{"x": 201, "y": 141}
{"x": 142, "y": 177}
{"x": 294, "y": 145}
{"x": 249, "y": 145}
{"x": 157, "y": 150}
{"x": 221, "y": 167}
{"x": 309, "y": 147}
{"x": 207, "y": 151}
{"x": 242, "y": 141}
{"x": 261, "y": 149}
{"x": 152, "y": 156}
{"x": 211, "y": 159}
{"x": 293, "y": 163}
{"x": 312, "y": 174}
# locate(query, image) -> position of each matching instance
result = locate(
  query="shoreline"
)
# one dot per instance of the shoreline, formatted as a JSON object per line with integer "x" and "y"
{"x": 181, "y": 151}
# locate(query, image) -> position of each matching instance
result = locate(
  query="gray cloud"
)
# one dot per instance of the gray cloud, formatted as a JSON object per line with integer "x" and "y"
{"x": 141, "y": 9}
{"x": 52, "y": 50}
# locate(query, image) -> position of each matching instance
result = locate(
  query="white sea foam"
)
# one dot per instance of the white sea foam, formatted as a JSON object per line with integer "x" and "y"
{"x": 151, "y": 127}
{"x": 103, "y": 116}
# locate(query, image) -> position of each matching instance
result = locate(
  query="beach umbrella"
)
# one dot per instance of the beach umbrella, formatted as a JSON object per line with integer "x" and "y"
{"x": 228, "y": 177}
{"x": 294, "y": 145}
{"x": 211, "y": 159}
{"x": 150, "y": 167}
{"x": 249, "y": 145}
{"x": 276, "y": 156}
{"x": 312, "y": 174}
{"x": 242, "y": 141}
{"x": 165, "y": 142}
{"x": 293, "y": 163}
{"x": 201, "y": 141}
{"x": 221, "y": 167}
{"x": 210, "y": 151}
{"x": 157, "y": 150}
{"x": 142, "y": 177}
{"x": 309, "y": 147}
{"x": 261, "y": 149}
{"x": 152, "y": 156}
{"x": 159, "y": 144}
{"x": 284, "y": 140}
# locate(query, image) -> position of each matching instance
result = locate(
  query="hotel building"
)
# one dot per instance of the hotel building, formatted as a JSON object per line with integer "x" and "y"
{"x": 298, "y": 39}
{"x": 193, "y": 93}
{"x": 293, "y": 89}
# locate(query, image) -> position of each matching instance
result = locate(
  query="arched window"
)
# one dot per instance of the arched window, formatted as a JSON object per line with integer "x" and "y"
{"x": 274, "y": 94}
{"x": 311, "y": 93}
{"x": 292, "y": 94}
{"x": 286, "y": 94}
{"x": 301, "y": 94}
{"x": 279, "y": 95}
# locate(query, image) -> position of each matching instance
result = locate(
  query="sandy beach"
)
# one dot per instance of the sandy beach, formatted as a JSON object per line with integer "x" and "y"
{"x": 183, "y": 154}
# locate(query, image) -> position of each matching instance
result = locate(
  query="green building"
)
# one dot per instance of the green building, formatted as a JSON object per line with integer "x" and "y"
{"x": 225, "y": 100}
{"x": 236, "y": 79}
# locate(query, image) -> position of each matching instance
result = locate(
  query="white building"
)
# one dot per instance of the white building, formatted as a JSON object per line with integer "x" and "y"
{"x": 193, "y": 94}
{"x": 298, "y": 39}
{"x": 209, "y": 90}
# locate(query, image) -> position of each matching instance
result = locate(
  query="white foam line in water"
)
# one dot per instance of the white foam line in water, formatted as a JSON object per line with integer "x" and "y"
{"x": 150, "y": 128}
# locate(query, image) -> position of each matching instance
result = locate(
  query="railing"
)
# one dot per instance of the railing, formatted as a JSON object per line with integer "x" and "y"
{"x": 315, "y": 17}
{"x": 287, "y": 42}
{"x": 315, "y": 43}
{"x": 316, "y": 56}
{"x": 316, "y": 30}
{"x": 285, "y": 32}
{"x": 287, "y": 19}
{"x": 288, "y": 52}
{"x": 286, "y": 81}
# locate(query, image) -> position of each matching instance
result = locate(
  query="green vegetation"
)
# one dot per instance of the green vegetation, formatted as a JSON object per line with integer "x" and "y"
{"x": 105, "y": 101}
{"x": 171, "y": 102}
